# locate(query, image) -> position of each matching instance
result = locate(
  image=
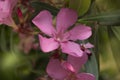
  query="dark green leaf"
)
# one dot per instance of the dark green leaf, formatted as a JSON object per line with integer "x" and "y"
{"x": 111, "y": 18}
{"x": 3, "y": 43}
{"x": 38, "y": 6}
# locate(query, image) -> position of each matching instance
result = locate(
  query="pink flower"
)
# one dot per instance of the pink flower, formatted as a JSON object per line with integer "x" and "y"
{"x": 59, "y": 36}
{"x": 68, "y": 70}
{"x": 6, "y": 7}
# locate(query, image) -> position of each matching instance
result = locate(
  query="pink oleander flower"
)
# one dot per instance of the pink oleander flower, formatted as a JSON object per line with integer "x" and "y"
{"x": 68, "y": 70}
{"x": 6, "y": 7}
{"x": 60, "y": 36}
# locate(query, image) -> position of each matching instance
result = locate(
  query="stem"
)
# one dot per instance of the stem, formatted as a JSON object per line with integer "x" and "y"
{"x": 14, "y": 26}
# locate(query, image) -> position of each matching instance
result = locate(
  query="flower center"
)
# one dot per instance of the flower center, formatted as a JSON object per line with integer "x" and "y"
{"x": 59, "y": 37}
{"x": 62, "y": 37}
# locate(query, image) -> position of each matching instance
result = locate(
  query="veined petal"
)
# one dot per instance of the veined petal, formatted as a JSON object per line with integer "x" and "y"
{"x": 44, "y": 22}
{"x": 65, "y": 18}
{"x": 85, "y": 76}
{"x": 80, "y": 32}
{"x": 77, "y": 62}
{"x": 71, "y": 48}
{"x": 47, "y": 44}
{"x": 55, "y": 70}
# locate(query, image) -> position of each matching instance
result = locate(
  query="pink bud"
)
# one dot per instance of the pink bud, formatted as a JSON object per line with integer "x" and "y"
{"x": 19, "y": 12}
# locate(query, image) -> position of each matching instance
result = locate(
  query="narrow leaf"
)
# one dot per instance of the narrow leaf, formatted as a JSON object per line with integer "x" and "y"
{"x": 111, "y": 18}
{"x": 38, "y": 6}
{"x": 103, "y": 42}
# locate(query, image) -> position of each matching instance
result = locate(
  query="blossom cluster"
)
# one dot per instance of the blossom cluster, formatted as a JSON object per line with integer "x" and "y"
{"x": 59, "y": 37}
{"x": 63, "y": 40}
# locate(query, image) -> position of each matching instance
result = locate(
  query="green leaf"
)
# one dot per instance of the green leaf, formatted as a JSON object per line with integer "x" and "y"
{"x": 103, "y": 42}
{"x": 81, "y": 6}
{"x": 111, "y": 18}
{"x": 114, "y": 35}
{"x": 38, "y": 6}
{"x": 92, "y": 66}
{"x": 3, "y": 42}
{"x": 108, "y": 5}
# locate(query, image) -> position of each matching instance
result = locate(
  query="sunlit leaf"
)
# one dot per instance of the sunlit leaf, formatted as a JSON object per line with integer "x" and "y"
{"x": 114, "y": 35}
{"x": 81, "y": 6}
{"x": 108, "y": 5}
{"x": 103, "y": 42}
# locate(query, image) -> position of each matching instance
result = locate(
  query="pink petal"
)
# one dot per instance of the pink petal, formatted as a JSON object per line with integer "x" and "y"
{"x": 7, "y": 20}
{"x": 6, "y": 7}
{"x": 89, "y": 45}
{"x": 65, "y": 18}
{"x": 13, "y": 3}
{"x": 68, "y": 66}
{"x": 87, "y": 51}
{"x": 71, "y": 48}
{"x": 55, "y": 70}
{"x": 44, "y": 22}
{"x": 80, "y": 32}
{"x": 47, "y": 44}
{"x": 77, "y": 62}
{"x": 85, "y": 76}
